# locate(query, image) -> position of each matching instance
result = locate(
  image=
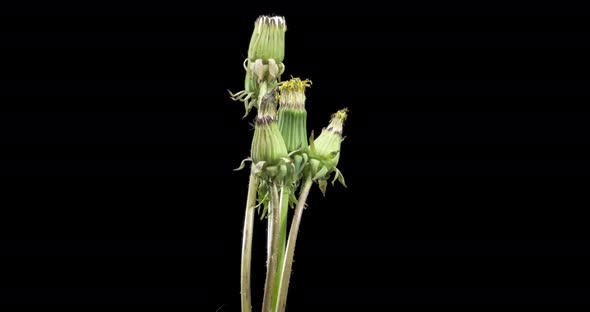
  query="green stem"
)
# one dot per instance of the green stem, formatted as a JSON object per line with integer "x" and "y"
{"x": 261, "y": 92}
{"x": 284, "y": 212}
{"x": 247, "y": 244}
{"x": 290, "y": 250}
{"x": 272, "y": 263}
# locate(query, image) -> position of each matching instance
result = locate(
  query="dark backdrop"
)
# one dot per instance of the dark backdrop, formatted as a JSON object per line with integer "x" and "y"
{"x": 465, "y": 154}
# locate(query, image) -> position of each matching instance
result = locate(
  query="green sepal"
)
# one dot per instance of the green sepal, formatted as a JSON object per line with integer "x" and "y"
{"x": 271, "y": 171}
{"x": 294, "y": 152}
{"x": 323, "y": 184}
{"x": 258, "y": 167}
{"x": 282, "y": 172}
{"x": 264, "y": 210}
{"x": 311, "y": 143}
{"x": 298, "y": 165}
{"x": 263, "y": 199}
{"x": 338, "y": 176}
{"x": 298, "y": 159}
{"x": 292, "y": 200}
{"x": 321, "y": 173}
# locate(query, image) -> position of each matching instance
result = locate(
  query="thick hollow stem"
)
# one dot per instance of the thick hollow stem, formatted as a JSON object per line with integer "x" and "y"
{"x": 290, "y": 250}
{"x": 272, "y": 263}
{"x": 247, "y": 244}
{"x": 284, "y": 212}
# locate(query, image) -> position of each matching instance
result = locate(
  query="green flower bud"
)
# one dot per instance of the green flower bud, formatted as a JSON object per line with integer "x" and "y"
{"x": 324, "y": 152}
{"x": 292, "y": 113}
{"x": 327, "y": 145}
{"x": 268, "y": 145}
{"x": 268, "y": 39}
{"x": 264, "y": 62}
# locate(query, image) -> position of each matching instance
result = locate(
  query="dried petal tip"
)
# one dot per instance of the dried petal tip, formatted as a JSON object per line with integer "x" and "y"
{"x": 337, "y": 121}
{"x": 272, "y": 20}
{"x": 293, "y": 93}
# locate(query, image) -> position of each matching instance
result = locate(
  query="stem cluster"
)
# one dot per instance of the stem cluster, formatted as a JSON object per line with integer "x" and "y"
{"x": 284, "y": 161}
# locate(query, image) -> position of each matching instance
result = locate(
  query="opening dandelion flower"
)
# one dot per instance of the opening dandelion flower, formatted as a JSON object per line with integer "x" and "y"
{"x": 292, "y": 113}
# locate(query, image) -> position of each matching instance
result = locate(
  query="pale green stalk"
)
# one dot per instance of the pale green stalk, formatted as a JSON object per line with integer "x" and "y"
{"x": 247, "y": 244}
{"x": 290, "y": 249}
{"x": 272, "y": 263}
{"x": 285, "y": 193}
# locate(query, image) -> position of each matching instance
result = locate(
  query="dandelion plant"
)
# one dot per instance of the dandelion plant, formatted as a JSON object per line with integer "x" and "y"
{"x": 285, "y": 159}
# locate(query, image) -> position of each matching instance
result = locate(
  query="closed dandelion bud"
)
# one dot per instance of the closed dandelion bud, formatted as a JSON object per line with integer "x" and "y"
{"x": 264, "y": 64}
{"x": 267, "y": 48}
{"x": 268, "y": 39}
{"x": 268, "y": 145}
{"x": 324, "y": 152}
{"x": 327, "y": 145}
{"x": 292, "y": 113}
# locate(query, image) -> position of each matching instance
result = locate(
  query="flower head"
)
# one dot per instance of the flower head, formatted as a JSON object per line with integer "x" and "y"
{"x": 268, "y": 145}
{"x": 268, "y": 39}
{"x": 292, "y": 113}
{"x": 327, "y": 145}
{"x": 293, "y": 93}
{"x": 264, "y": 64}
{"x": 324, "y": 152}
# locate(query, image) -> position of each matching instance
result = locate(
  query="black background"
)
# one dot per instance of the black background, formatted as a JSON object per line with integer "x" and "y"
{"x": 465, "y": 154}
